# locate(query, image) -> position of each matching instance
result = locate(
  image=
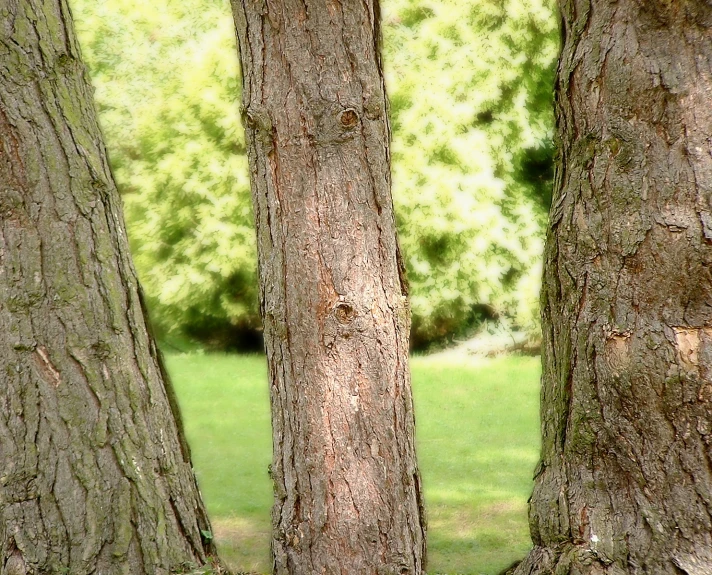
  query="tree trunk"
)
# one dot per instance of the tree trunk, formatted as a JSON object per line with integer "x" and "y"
{"x": 625, "y": 481}
{"x": 333, "y": 295}
{"x": 95, "y": 475}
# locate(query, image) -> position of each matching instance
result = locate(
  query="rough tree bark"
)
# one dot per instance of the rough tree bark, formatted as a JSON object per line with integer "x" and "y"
{"x": 336, "y": 318}
{"x": 95, "y": 475}
{"x": 625, "y": 481}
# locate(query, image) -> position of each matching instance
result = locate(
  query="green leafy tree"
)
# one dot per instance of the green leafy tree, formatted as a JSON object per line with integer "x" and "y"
{"x": 471, "y": 104}
{"x": 470, "y": 88}
{"x": 166, "y": 77}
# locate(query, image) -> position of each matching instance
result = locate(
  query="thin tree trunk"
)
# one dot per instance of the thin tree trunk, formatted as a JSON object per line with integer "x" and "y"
{"x": 95, "y": 475}
{"x": 336, "y": 318}
{"x": 625, "y": 481}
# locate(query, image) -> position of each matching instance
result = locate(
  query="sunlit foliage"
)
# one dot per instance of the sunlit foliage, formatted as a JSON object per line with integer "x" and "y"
{"x": 471, "y": 103}
{"x": 470, "y": 88}
{"x": 167, "y": 85}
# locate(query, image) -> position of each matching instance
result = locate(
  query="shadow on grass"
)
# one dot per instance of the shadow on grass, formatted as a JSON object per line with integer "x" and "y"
{"x": 476, "y": 539}
{"x": 462, "y": 539}
{"x": 243, "y": 544}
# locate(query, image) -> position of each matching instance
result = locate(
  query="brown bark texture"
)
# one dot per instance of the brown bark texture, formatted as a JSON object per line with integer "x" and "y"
{"x": 95, "y": 476}
{"x": 625, "y": 480}
{"x": 333, "y": 295}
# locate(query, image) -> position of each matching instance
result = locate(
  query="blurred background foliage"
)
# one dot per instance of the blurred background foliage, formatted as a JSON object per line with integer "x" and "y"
{"x": 470, "y": 84}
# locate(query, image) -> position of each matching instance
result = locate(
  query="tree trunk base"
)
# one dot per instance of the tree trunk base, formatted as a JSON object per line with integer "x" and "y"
{"x": 570, "y": 559}
{"x": 564, "y": 560}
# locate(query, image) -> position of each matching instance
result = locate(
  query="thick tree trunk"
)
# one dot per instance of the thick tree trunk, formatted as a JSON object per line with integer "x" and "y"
{"x": 625, "y": 481}
{"x": 95, "y": 476}
{"x": 336, "y": 318}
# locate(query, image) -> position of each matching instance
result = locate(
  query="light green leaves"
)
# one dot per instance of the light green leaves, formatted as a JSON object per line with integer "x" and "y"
{"x": 166, "y": 75}
{"x": 470, "y": 85}
{"x": 471, "y": 88}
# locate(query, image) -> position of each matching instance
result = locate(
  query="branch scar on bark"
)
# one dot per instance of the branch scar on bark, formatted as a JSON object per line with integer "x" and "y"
{"x": 47, "y": 368}
{"x": 344, "y": 313}
{"x": 15, "y": 564}
{"x": 618, "y": 351}
{"x": 348, "y": 118}
{"x": 687, "y": 340}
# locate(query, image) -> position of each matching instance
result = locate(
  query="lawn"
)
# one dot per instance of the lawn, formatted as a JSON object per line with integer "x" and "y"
{"x": 478, "y": 442}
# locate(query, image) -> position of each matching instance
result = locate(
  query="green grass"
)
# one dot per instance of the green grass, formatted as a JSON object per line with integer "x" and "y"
{"x": 478, "y": 442}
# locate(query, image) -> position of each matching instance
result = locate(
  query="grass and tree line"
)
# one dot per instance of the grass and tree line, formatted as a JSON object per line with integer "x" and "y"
{"x": 96, "y": 471}
{"x": 477, "y": 453}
